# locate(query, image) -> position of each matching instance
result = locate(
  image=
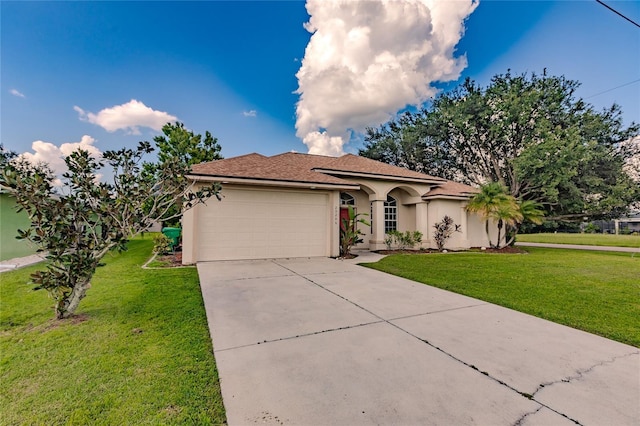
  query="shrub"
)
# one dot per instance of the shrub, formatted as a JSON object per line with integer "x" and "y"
{"x": 161, "y": 244}
{"x": 402, "y": 240}
{"x": 444, "y": 229}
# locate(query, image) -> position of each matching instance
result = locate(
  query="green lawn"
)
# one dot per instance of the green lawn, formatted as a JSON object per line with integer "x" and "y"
{"x": 583, "y": 239}
{"x": 138, "y": 353}
{"x": 598, "y": 292}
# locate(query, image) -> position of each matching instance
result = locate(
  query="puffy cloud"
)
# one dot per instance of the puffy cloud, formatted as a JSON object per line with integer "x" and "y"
{"x": 16, "y": 92}
{"x": 128, "y": 117}
{"x": 46, "y": 152}
{"x": 367, "y": 60}
{"x": 252, "y": 113}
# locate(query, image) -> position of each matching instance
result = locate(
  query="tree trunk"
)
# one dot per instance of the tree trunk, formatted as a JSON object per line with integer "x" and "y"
{"x": 499, "y": 233}
{"x": 486, "y": 228}
{"x": 67, "y": 306}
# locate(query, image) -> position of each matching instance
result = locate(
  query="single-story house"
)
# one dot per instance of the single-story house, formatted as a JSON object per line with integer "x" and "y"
{"x": 11, "y": 220}
{"x": 291, "y": 205}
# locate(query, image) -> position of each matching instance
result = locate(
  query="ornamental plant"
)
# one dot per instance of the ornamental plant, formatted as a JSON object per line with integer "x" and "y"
{"x": 77, "y": 224}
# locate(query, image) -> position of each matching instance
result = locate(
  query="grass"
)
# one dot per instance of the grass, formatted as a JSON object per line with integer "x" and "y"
{"x": 583, "y": 239}
{"x": 138, "y": 352}
{"x": 598, "y": 292}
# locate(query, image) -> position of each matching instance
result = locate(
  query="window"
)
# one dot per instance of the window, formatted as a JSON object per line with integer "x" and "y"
{"x": 390, "y": 214}
{"x": 347, "y": 199}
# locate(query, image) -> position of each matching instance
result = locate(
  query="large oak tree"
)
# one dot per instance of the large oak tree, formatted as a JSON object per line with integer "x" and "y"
{"x": 529, "y": 133}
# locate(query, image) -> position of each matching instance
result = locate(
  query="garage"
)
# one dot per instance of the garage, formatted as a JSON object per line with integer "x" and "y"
{"x": 262, "y": 223}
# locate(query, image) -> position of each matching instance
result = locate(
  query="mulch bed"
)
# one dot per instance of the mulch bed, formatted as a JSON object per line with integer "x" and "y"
{"x": 504, "y": 250}
{"x": 170, "y": 260}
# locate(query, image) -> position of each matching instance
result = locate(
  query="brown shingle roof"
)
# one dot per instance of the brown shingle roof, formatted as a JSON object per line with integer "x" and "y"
{"x": 284, "y": 167}
{"x": 307, "y": 168}
{"x": 453, "y": 189}
{"x": 355, "y": 163}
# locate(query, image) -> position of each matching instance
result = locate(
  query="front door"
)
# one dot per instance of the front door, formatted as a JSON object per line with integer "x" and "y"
{"x": 344, "y": 215}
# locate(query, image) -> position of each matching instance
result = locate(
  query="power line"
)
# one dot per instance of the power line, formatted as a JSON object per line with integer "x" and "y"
{"x": 613, "y": 88}
{"x": 618, "y": 13}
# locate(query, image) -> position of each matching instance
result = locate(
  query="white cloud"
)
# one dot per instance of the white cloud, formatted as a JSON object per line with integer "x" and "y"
{"x": 128, "y": 117}
{"x": 252, "y": 113}
{"x": 46, "y": 152}
{"x": 367, "y": 60}
{"x": 16, "y": 92}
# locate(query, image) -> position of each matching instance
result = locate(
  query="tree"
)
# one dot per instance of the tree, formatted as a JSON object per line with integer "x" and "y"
{"x": 493, "y": 203}
{"x": 527, "y": 132}
{"x": 530, "y": 211}
{"x": 180, "y": 144}
{"x": 80, "y": 223}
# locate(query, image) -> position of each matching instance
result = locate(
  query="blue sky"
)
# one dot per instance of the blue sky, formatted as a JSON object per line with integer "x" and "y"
{"x": 230, "y": 67}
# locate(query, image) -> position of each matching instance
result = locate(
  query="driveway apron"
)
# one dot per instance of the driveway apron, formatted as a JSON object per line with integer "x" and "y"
{"x": 321, "y": 341}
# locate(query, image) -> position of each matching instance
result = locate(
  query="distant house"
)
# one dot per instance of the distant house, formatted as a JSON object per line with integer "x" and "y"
{"x": 10, "y": 222}
{"x": 291, "y": 205}
{"x": 627, "y": 224}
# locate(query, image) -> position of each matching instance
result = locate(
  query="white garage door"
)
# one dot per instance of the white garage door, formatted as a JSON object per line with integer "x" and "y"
{"x": 256, "y": 224}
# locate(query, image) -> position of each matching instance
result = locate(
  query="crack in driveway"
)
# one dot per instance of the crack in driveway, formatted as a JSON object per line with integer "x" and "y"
{"x": 473, "y": 367}
{"x": 525, "y": 415}
{"x": 377, "y": 319}
{"x": 582, "y": 372}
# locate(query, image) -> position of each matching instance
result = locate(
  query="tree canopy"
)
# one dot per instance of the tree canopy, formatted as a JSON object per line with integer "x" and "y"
{"x": 527, "y": 132}
{"x": 77, "y": 224}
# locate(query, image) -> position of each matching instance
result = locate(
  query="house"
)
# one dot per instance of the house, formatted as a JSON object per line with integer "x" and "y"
{"x": 10, "y": 221}
{"x": 290, "y": 205}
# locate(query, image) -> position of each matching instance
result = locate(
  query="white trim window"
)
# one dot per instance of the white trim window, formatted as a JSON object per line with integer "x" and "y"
{"x": 347, "y": 199}
{"x": 390, "y": 214}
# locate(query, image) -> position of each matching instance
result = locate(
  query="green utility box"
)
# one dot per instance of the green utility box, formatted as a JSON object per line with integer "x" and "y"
{"x": 174, "y": 235}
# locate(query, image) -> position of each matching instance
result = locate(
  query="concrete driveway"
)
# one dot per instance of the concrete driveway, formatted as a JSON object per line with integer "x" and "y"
{"x": 325, "y": 342}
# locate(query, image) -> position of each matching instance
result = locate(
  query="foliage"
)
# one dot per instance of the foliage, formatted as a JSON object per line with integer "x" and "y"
{"x": 161, "y": 244}
{"x": 494, "y": 204}
{"x": 444, "y": 230}
{"x": 402, "y": 240}
{"x": 349, "y": 231}
{"x": 592, "y": 291}
{"x": 527, "y": 132}
{"x": 591, "y": 228}
{"x": 178, "y": 143}
{"x": 78, "y": 224}
{"x": 115, "y": 362}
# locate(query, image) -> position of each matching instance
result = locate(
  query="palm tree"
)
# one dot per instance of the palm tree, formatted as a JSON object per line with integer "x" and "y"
{"x": 493, "y": 202}
{"x": 531, "y": 211}
{"x": 507, "y": 214}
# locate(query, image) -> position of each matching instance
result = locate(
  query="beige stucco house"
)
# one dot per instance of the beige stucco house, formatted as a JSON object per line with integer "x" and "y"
{"x": 290, "y": 205}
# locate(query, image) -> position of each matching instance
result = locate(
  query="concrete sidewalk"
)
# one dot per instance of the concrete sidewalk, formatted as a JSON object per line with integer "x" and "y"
{"x": 320, "y": 341}
{"x": 19, "y": 262}
{"x": 581, "y": 247}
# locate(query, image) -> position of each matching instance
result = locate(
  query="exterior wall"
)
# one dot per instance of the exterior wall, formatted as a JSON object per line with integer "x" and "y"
{"x": 413, "y": 214}
{"x": 440, "y": 208}
{"x": 472, "y": 232}
{"x": 409, "y": 198}
{"x": 262, "y": 222}
{"x": 477, "y": 233}
{"x": 10, "y": 222}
